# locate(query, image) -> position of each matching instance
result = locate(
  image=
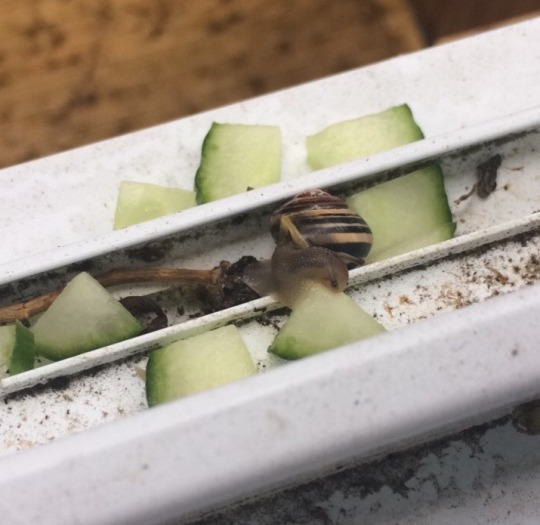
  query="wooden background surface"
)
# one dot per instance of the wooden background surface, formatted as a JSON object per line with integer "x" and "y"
{"x": 76, "y": 71}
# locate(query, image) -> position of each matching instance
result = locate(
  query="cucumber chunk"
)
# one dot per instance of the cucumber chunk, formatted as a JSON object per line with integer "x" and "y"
{"x": 236, "y": 157}
{"x": 360, "y": 137}
{"x": 421, "y": 240}
{"x": 199, "y": 363}
{"x": 17, "y": 349}
{"x": 139, "y": 202}
{"x": 83, "y": 317}
{"x": 406, "y": 213}
{"x": 321, "y": 320}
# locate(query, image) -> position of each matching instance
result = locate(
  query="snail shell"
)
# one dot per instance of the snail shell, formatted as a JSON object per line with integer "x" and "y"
{"x": 316, "y": 218}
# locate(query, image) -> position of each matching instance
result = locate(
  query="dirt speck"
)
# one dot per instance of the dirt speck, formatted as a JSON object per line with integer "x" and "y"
{"x": 405, "y": 299}
{"x": 389, "y": 309}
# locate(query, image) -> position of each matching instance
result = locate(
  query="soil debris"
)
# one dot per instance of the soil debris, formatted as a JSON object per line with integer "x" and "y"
{"x": 486, "y": 179}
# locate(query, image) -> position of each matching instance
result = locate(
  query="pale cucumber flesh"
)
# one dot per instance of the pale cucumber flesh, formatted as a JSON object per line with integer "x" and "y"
{"x": 7, "y": 342}
{"x": 406, "y": 213}
{"x": 85, "y": 316}
{"x": 236, "y": 157}
{"x": 138, "y": 202}
{"x": 320, "y": 320}
{"x": 363, "y": 136}
{"x": 409, "y": 244}
{"x": 196, "y": 364}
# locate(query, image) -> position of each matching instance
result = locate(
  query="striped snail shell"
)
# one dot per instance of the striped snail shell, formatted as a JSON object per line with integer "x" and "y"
{"x": 316, "y": 218}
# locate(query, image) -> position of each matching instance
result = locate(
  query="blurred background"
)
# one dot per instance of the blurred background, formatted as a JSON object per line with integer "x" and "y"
{"x": 74, "y": 72}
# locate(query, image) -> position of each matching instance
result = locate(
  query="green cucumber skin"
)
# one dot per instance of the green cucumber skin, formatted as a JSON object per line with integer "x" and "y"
{"x": 24, "y": 352}
{"x": 17, "y": 348}
{"x": 352, "y": 139}
{"x": 154, "y": 393}
{"x": 228, "y": 164}
{"x": 196, "y": 364}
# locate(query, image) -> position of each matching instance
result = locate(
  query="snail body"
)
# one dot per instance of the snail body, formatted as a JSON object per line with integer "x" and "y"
{"x": 316, "y": 218}
{"x": 292, "y": 269}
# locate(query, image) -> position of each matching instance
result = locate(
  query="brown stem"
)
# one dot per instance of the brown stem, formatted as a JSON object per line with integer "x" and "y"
{"x": 140, "y": 275}
{"x": 25, "y": 309}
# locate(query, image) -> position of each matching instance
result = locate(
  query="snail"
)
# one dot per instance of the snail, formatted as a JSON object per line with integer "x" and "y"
{"x": 316, "y": 218}
{"x": 318, "y": 238}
